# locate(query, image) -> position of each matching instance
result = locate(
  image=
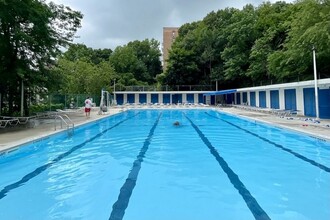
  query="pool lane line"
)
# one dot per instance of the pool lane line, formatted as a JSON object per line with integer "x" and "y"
{"x": 42, "y": 168}
{"x": 250, "y": 201}
{"x": 314, "y": 163}
{"x": 119, "y": 207}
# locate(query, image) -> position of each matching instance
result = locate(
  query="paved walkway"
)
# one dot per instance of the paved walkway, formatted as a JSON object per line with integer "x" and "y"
{"x": 15, "y": 136}
{"x": 301, "y": 124}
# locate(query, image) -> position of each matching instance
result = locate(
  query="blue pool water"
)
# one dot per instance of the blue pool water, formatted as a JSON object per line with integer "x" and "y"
{"x": 138, "y": 166}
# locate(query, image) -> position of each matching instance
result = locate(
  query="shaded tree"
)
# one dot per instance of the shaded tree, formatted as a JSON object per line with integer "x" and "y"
{"x": 183, "y": 71}
{"x": 140, "y": 58}
{"x": 31, "y": 35}
{"x": 82, "y": 77}
{"x": 272, "y": 26}
{"x": 309, "y": 26}
{"x": 82, "y": 52}
{"x": 124, "y": 60}
{"x": 241, "y": 35}
{"x": 217, "y": 23}
{"x": 184, "y": 62}
{"x": 148, "y": 52}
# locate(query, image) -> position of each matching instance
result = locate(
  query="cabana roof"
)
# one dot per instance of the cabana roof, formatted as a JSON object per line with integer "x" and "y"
{"x": 221, "y": 92}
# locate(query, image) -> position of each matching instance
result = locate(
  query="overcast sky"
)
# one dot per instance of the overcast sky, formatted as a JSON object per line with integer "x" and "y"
{"x": 112, "y": 23}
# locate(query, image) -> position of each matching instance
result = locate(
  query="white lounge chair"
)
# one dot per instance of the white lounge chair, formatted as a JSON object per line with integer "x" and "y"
{"x": 7, "y": 122}
{"x": 69, "y": 111}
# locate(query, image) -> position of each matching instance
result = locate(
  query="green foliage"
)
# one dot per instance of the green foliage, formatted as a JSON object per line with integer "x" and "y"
{"x": 310, "y": 24}
{"x": 148, "y": 52}
{"x": 33, "y": 109}
{"x": 85, "y": 70}
{"x": 125, "y": 60}
{"x": 83, "y": 77}
{"x": 241, "y": 35}
{"x": 82, "y": 52}
{"x": 181, "y": 72}
{"x": 253, "y": 46}
{"x": 31, "y": 35}
{"x": 272, "y": 27}
{"x": 140, "y": 58}
{"x": 127, "y": 79}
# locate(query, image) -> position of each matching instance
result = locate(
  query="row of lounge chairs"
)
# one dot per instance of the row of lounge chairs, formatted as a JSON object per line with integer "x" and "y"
{"x": 287, "y": 114}
{"x": 12, "y": 121}
{"x": 278, "y": 112}
{"x": 7, "y": 121}
{"x": 161, "y": 105}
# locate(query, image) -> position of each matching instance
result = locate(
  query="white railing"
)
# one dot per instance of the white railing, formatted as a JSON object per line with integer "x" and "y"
{"x": 67, "y": 121}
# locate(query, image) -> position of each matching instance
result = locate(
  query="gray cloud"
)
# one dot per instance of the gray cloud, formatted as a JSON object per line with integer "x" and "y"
{"x": 112, "y": 23}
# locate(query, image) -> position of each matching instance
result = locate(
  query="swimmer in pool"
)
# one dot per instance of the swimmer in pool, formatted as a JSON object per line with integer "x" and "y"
{"x": 176, "y": 123}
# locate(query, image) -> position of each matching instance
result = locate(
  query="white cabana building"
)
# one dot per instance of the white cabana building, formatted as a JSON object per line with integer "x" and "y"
{"x": 299, "y": 96}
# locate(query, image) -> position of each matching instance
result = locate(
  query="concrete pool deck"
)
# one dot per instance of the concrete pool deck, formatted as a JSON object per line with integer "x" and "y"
{"x": 317, "y": 128}
{"x": 15, "y": 136}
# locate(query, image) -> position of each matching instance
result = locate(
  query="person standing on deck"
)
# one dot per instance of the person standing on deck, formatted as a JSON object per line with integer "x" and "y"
{"x": 88, "y": 106}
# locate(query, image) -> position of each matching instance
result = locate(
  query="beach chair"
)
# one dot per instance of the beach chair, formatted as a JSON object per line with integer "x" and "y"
{"x": 19, "y": 120}
{"x": 70, "y": 111}
{"x": 6, "y": 122}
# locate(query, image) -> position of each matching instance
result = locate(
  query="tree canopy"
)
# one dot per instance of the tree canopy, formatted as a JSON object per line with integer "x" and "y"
{"x": 267, "y": 44}
{"x": 260, "y": 45}
{"x": 140, "y": 58}
{"x": 85, "y": 70}
{"x": 31, "y": 36}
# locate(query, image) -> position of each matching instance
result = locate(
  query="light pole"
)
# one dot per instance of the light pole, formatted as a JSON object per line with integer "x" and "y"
{"x": 315, "y": 86}
{"x": 114, "y": 92}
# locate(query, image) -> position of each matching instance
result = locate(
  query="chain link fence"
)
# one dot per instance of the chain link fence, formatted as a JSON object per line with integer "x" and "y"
{"x": 166, "y": 88}
{"x": 52, "y": 102}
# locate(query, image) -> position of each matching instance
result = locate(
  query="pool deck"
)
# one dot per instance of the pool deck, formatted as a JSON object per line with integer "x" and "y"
{"x": 317, "y": 128}
{"x": 14, "y": 136}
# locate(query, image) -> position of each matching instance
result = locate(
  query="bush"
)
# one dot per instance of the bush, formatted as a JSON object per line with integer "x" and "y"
{"x": 43, "y": 107}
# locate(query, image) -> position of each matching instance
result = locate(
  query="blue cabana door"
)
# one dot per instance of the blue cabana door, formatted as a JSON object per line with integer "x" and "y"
{"x": 130, "y": 98}
{"x": 190, "y": 98}
{"x": 262, "y": 99}
{"x": 166, "y": 98}
{"x": 290, "y": 99}
{"x": 142, "y": 98}
{"x": 309, "y": 102}
{"x": 274, "y": 99}
{"x": 253, "y": 98}
{"x": 154, "y": 98}
{"x": 244, "y": 97}
{"x": 238, "y": 98}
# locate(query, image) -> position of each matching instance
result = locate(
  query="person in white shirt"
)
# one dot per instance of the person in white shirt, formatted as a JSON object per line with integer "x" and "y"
{"x": 88, "y": 106}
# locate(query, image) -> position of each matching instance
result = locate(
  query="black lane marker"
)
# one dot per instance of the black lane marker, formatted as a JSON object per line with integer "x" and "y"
{"x": 314, "y": 163}
{"x": 42, "y": 168}
{"x": 250, "y": 201}
{"x": 119, "y": 207}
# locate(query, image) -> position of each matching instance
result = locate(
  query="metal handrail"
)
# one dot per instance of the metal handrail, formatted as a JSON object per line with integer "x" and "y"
{"x": 68, "y": 119}
{"x": 63, "y": 120}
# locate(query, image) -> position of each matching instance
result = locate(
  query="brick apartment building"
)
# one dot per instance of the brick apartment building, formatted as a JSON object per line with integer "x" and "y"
{"x": 169, "y": 35}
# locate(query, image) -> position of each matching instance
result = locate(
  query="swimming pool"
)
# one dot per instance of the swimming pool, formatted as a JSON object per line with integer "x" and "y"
{"x": 137, "y": 165}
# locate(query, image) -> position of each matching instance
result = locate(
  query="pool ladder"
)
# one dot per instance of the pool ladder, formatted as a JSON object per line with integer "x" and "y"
{"x": 67, "y": 121}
